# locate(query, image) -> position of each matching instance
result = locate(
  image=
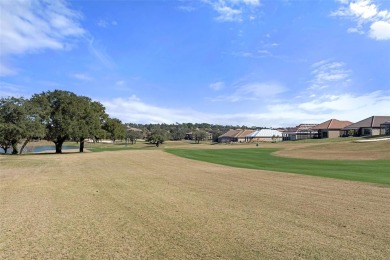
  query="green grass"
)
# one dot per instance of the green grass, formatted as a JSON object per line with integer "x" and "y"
{"x": 377, "y": 171}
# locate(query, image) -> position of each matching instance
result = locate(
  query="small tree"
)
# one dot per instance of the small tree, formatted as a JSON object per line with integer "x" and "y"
{"x": 133, "y": 136}
{"x": 157, "y": 137}
{"x": 199, "y": 135}
{"x": 115, "y": 129}
{"x": 90, "y": 117}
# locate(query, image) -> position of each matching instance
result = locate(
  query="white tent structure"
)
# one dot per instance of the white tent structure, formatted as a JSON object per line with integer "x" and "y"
{"x": 265, "y": 135}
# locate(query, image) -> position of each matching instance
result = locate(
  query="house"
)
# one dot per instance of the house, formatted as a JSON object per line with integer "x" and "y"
{"x": 190, "y": 136}
{"x": 229, "y": 136}
{"x": 300, "y": 132}
{"x": 385, "y": 128}
{"x": 265, "y": 135}
{"x": 367, "y": 127}
{"x": 242, "y": 136}
{"x": 232, "y": 135}
{"x": 331, "y": 129}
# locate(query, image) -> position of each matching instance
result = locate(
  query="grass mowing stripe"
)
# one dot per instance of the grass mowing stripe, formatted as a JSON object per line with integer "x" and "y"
{"x": 377, "y": 171}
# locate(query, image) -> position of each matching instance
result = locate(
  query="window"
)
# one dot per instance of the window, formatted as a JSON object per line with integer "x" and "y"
{"x": 366, "y": 131}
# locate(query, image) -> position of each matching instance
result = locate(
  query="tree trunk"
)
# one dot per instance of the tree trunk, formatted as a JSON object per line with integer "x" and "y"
{"x": 14, "y": 147}
{"x": 82, "y": 145}
{"x": 59, "y": 146}
{"x": 24, "y": 145}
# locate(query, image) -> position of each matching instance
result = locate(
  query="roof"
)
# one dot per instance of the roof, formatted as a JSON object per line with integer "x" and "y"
{"x": 371, "y": 122}
{"x": 332, "y": 124}
{"x": 302, "y": 128}
{"x": 244, "y": 133}
{"x": 231, "y": 133}
{"x": 265, "y": 133}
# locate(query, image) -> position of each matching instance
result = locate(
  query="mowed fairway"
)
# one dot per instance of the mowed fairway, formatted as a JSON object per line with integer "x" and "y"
{"x": 152, "y": 204}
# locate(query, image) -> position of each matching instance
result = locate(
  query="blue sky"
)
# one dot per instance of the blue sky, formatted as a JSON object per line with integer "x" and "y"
{"x": 254, "y": 62}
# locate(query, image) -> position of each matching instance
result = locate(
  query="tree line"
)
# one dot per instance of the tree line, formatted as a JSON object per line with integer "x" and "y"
{"x": 55, "y": 116}
{"x": 60, "y": 116}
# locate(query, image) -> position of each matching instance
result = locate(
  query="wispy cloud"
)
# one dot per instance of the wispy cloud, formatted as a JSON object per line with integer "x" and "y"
{"x": 234, "y": 10}
{"x": 328, "y": 73}
{"x": 368, "y": 18}
{"x": 11, "y": 90}
{"x": 217, "y": 85}
{"x": 6, "y": 70}
{"x": 105, "y": 24}
{"x": 100, "y": 53}
{"x": 120, "y": 83}
{"x": 288, "y": 113}
{"x": 81, "y": 76}
{"x": 132, "y": 109}
{"x": 252, "y": 91}
{"x": 30, "y": 26}
{"x": 187, "y": 8}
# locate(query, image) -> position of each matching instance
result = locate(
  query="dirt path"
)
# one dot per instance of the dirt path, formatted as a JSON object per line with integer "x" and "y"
{"x": 150, "y": 204}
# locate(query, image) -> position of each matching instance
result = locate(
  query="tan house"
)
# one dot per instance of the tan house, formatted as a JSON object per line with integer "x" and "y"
{"x": 331, "y": 129}
{"x": 367, "y": 127}
{"x": 242, "y": 136}
{"x": 385, "y": 128}
{"x": 232, "y": 135}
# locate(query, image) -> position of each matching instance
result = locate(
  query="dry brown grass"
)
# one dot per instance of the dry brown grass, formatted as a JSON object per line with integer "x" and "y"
{"x": 150, "y": 204}
{"x": 337, "y": 151}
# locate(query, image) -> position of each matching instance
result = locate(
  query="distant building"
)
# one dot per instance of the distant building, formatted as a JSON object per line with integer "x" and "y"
{"x": 300, "y": 132}
{"x": 367, "y": 127}
{"x": 331, "y": 129}
{"x": 233, "y": 135}
{"x": 265, "y": 135}
{"x": 385, "y": 128}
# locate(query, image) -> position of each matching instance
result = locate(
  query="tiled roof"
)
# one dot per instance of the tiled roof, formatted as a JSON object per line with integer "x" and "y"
{"x": 244, "y": 133}
{"x": 231, "y": 133}
{"x": 332, "y": 124}
{"x": 373, "y": 121}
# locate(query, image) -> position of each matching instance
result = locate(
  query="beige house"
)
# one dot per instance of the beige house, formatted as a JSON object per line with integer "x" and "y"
{"x": 385, "y": 128}
{"x": 367, "y": 127}
{"x": 232, "y": 135}
{"x": 332, "y": 128}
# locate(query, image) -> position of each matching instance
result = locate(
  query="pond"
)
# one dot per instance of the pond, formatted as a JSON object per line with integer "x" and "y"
{"x": 39, "y": 149}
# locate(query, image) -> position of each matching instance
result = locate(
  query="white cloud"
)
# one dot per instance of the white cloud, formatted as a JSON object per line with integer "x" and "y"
{"x": 228, "y": 14}
{"x": 289, "y": 113}
{"x": 380, "y": 30}
{"x": 105, "y": 24}
{"x": 81, "y": 76}
{"x": 34, "y": 25}
{"x": 6, "y": 70}
{"x": 253, "y": 91}
{"x": 11, "y": 90}
{"x": 217, "y": 85}
{"x": 100, "y": 53}
{"x": 327, "y": 73}
{"x": 187, "y": 8}
{"x": 132, "y": 109}
{"x": 234, "y": 10}
{"x": 368, "y": 18}
{"x": 120, "y": 83}
{"x": 102, "y": 23}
